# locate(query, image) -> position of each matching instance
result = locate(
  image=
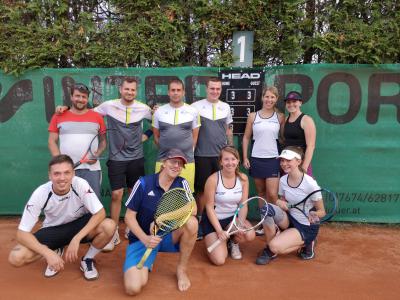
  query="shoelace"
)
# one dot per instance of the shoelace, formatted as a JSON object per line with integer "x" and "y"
{"x": 89, "y": 264}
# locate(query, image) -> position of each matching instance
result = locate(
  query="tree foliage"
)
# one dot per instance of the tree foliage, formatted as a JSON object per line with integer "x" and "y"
{"x": 161, "y": 33}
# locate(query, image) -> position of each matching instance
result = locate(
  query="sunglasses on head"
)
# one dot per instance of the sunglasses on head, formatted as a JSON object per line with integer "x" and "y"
{"x": 81, "y": 87}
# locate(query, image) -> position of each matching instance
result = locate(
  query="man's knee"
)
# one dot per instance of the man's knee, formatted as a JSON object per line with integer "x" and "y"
{"x": 108, "y": 226}
{"x": 16, "y": 257}
{"x": 116, "y": 195}
{"x": 134, "y": 281}
{"x": 192, "y": 225}
{"x": 133, "y": 289}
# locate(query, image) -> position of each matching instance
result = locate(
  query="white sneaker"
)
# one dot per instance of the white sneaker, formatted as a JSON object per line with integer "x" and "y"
{"x": 235, "y": 250}
{"x": 126, "y": 232}
{"x": 50, "y": 272}
{"x": 114, "y": 242}
{"x": 260, "y": 231}
{"x": 88, "y": 269}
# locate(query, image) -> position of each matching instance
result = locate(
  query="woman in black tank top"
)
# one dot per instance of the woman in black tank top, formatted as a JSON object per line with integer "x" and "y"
{"x": 299, "y": 129}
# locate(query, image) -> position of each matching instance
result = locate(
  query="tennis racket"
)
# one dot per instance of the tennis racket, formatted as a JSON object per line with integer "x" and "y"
{"x": 239, "y": 225}
{"x": 174, "y": 209}
{"x": 99, "y": 150}
{"x": 330, "y": 203}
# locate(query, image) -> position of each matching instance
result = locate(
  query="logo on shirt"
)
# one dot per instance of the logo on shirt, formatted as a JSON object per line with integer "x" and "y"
{"x": 28, "y": 208}
{"x": 63, "y": 198}
{"x": 151, "y": 193}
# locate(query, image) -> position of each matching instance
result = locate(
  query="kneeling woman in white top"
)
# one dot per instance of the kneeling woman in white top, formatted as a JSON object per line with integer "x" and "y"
{"x": 224, "y": 190}
{"x": 299, "y": 231}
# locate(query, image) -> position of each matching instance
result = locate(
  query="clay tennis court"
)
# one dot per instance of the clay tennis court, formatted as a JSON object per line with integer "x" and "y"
{"x": 352, "y": 262}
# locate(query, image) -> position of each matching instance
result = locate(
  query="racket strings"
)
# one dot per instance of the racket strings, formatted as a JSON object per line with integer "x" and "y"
{"x": 174, "y": 209}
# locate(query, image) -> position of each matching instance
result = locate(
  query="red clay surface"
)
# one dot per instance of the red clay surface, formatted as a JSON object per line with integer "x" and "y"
{"x": 352, "y": 262}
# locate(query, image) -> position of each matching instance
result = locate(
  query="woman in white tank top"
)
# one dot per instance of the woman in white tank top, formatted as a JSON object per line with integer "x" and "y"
{"x": 224, "y": 190}
{"x": 264, "y": 127}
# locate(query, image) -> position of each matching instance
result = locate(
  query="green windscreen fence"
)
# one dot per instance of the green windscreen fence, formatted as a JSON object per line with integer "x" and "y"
{"x": 356, "y": 109}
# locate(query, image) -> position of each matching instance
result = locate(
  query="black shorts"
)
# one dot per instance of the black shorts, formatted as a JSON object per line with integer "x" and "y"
{"x": 263, "y": 168}
{"x": 59, "y": 236}
{"x": 205, "y": 166}
{"x": 207, "y": 227}
{"x": 308, "y": 232}
{"x": 123, "y": 174}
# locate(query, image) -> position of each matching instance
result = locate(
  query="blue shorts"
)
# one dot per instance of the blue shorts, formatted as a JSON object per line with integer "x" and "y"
{"x": 207, "y": 227}
{"x": 263, "y": 168}
{"x": 308, "y": 232}
{"x": 135, "y": 251}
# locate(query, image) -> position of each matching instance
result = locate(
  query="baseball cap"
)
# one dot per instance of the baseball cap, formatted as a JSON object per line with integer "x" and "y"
{"x": 175, "y": 153}
{"x": 293, "y": 95}
{"x": 289, "y": 155}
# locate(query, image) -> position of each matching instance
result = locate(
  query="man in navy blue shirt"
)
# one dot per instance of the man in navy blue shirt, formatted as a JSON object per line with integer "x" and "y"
{"x": 141, "y": 206}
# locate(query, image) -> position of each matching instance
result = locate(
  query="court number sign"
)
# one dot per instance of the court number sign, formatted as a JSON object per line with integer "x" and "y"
{"x": 242, "y": 45}
{"x": 242, "y": 90}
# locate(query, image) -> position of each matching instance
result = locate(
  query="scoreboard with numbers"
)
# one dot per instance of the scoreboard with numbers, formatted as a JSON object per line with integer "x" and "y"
{"x": 242, "y": 90}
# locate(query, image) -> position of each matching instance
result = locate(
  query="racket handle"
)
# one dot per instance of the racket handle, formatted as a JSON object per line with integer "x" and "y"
{"x": 144, "y": 258}
{"x": 213, "y": 246}
{"x": 77, "y": 164}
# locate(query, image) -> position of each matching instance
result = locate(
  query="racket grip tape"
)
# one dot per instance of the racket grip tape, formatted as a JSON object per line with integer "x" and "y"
{"x": 144, "y": 258}
{"x": 213, "y": 246}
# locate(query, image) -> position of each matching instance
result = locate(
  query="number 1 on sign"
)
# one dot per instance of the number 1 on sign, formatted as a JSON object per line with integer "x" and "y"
{"x": 242, "y": 43}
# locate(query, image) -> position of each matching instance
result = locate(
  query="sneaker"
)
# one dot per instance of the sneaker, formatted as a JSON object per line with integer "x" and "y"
{"x": 307, "y": 251}
{"x": 260, "y": 231}
{"x": 50, "y": 272}
{"x": 114, "y": 242}
{"x": 235, "y": 250}
{"x": 265, "y": 257}
{"x": 88, "y": 269}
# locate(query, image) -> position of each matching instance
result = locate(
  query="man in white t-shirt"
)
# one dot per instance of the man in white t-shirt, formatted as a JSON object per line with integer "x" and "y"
{"x": 73, "y": 215}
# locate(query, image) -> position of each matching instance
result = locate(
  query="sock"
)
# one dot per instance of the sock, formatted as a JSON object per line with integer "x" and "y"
{"x": 269, "y": 252}
{"x": 92, "y": 252}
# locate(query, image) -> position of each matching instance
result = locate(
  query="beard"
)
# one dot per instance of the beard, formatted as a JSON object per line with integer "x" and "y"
{"x": 79, "y": 106}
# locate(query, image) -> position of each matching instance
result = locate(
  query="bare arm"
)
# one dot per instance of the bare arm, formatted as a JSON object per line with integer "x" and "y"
{"x": 195, "y": 133}
{"x": 310, "y": 133}
{"x": 102, "y": 144}
{"x": 320, "y": 210}
{"x": 156, "y": 135}
{"x": 53, "y": 143}
{"x": 281, "y": 118}
{"x": 73, "y": 247}
{"x": 246, "y": 139}
{"x": 245, "y": 195}
{"x": 229, "y": 135}
{"x": 149, "y": 241}
{"x": 28, "y": 240}
{"x": 209, "y": 193}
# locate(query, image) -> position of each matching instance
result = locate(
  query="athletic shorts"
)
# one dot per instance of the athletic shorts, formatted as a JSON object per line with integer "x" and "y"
{"x": 308, "y": 232}
{"x": 205, "y": 166}
{"x": 187, "y": 173}
{"x": 59, "y": 236}
{"x": 135, "y": 251}
{"x": 124, "y": 173}
{"x": 264, "y": 167}
{"x": 207, "y": 227}
{"x": 93, "y": 178}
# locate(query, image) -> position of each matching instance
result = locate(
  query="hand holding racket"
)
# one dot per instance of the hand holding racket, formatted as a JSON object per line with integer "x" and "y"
{"x": 99, "y": 149}
{"x": 174, "y": 209}
{"x": 330, "y": 204}
{"x": 239, "y": 225}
